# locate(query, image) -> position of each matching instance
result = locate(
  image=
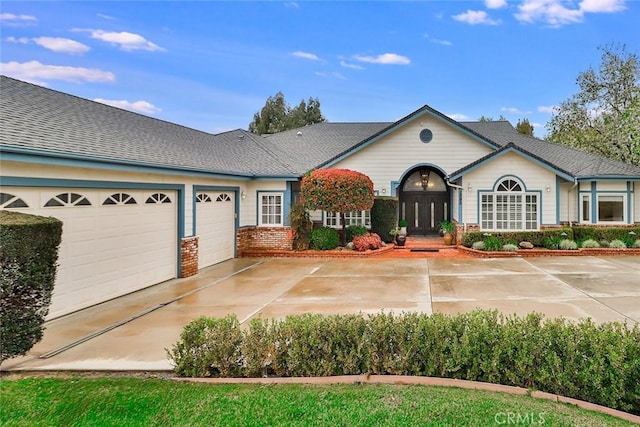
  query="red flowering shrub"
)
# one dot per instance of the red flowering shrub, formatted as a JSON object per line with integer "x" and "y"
{"x": 366, "y": 242}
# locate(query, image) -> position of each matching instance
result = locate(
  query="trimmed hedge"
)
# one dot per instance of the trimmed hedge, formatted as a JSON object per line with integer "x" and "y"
{"x": 28, "y": 261}
{"x": 384, "y": 217}
{"x": 581, "y": 233}
{"x": 324, "y": 239}
{"x": 356, "y": 230}
{"x": 538, "y": 238}
{"x": 596, "y": 363}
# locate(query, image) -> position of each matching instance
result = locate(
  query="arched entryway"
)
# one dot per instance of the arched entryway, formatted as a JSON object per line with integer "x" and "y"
{"x": 424, "y": 201}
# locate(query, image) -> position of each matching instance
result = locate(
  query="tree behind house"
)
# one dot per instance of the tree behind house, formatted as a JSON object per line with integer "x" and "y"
{"x": 604, "y": 117}
{"x": 277, "y": 116}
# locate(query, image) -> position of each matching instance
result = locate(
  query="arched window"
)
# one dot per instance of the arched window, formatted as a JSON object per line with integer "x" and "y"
{"x": 120, "y": 199}
{"x": 67, "y": 199}
{"x": 9, "y": 201}
{"x": 203, "y": 198}
{"x": 158, "y": 198}
{"x": 509, "y": 207}
{"x": 223, "y": 198}
{"x": 424, "y": 180}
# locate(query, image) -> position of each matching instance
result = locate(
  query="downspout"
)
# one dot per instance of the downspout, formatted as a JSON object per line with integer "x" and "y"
{"x": 461, "y": 188}
{"x": 575, "y": 184}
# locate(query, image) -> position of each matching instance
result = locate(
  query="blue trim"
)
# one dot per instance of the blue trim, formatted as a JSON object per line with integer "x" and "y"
{"x": 629, "y": 210}
{"x": 497, "y": 155}
{"x": 286, "y": 205}
{"x": 16, "y": 181}
{"x": 416, "y": 115}
{"x": 284, "y": 198}
{"x": 594, "y": 202}
{"x": 236, "y": 201}
{"x": 508, "y": 176}
{"x": 609, "y": 178}
{"x": 460, "y": 191}
{"x": 558, "y": 201}
{"x": 394, "y": 186}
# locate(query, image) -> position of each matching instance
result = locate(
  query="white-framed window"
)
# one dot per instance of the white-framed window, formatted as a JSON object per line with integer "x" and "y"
{"x": 332, "y": 219}
{"x": 611, "y": 207}
{"x": 585, "y": 208}
{"x": 509, "y": 208}
{"x": 270, "y": 209}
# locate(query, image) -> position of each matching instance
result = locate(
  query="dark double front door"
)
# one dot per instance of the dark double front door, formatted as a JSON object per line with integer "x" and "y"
{"x": 424, "y": 211}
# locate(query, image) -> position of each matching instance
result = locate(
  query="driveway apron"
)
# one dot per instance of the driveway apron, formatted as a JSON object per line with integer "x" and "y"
{"x": 134, "y": 331}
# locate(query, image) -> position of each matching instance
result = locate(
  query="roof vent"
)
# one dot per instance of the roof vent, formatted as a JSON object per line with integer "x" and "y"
{"x": 299, "y": 133}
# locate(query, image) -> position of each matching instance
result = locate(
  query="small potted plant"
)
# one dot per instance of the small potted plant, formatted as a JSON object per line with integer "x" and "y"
{"x": 403, "y": 224}
{"x": 399, "y": 238}
{"x": 447, "y": 228}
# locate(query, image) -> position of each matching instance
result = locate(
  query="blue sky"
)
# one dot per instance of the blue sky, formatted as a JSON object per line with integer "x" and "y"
{"x": 211, "y": 65}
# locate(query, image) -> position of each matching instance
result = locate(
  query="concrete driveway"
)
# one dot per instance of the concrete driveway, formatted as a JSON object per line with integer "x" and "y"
{"x": 132, "y": 332}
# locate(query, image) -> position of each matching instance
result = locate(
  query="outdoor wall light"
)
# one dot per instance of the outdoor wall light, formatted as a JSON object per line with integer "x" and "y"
{"x": 548, "y": 188}
{"x": 384, "y": 190}
{"x": 469, "y": 188}
{"x": 243, "y": 195}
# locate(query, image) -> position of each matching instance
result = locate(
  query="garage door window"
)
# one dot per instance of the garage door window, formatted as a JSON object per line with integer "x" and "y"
{"x": 120, "y": 199}
{"x": 67, "y": 199}
{"x": 270, "y": 209}
{"x": 10, "y": 201}
{"x": 158, "y": 198}
{"x": 223, "y": 198}
{"x": 203, "y": 198}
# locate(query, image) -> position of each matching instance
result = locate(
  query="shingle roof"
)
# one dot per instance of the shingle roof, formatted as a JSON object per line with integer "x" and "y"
{"x": 36, "y": 118}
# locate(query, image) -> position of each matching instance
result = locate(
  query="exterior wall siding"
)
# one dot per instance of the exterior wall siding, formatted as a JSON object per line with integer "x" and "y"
{"x": 534, "y": 177}
{"x": 387, "y": 159}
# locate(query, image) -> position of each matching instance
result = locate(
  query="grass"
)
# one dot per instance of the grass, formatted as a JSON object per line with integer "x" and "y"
{"x": 161, "y": 402}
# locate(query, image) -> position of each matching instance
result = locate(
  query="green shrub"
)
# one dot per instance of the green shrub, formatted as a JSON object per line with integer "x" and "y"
{"x": 604, "y": 243}
{"x": 301, "y": 226}
{"x": 636, "y": 244}
{"x": 590, "y": 243}
{"x": 552, "y": 242}
{"x": 568, "y": 245}
{"x": 628, "y": 241}
{"x": 28, "y": 261}
{"x": 604, "y": 233}
{"x": 324, "y": 238}
{"x": 537, "y": 238}
{"x": 479, "y": 246}
{"x": 509, "y": 247}
{"x": 617, "y": 244}
{"x": 599, "y": 363}
{"x": 384, "y": 217}
{"x": 492, "y": 243}
{"x": 356, "y": 230}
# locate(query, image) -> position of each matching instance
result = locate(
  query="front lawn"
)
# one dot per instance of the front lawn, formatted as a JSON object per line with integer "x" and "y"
{"x": 149, "y": 402}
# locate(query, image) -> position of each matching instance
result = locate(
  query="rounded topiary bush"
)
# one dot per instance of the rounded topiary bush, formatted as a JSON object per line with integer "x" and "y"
{"x": 368, "y": 241}
{"x": 567, "y": 244}
{"x": 617, "y": 244}
{"x": 636, "y": 244}
{"x": 478, "y": 246}
{"x": 590, "y": 243}
{"x": 355, "y": 230}
{"x": 509, "y": 247}
{"x": 324, "y": 239}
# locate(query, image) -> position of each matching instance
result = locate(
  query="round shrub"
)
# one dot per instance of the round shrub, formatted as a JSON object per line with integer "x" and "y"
{"x": 617, "y": 244}
{"x": 604, "y": 243}
{"x": 590, "y": 243}
{"x": 478, "y": 246}
{"x": 568, "y": 245}
{"x": 324, "y": 238}
{"x": 636, "y": 244}
{"x": 366, "y": 242}
{"x": 356, "y": 230}
{"x": 509, "y": 247}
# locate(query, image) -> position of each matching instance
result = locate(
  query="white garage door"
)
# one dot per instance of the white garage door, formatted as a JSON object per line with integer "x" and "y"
{"x": 215, "y": 227}
{"x": 113, "y": 241}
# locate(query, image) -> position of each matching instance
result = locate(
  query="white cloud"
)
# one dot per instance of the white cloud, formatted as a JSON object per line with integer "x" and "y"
{"x": 306, "y": 55}
{"x": 23, "y": 40}
{"x": 350, "y": 65}
{"x": 547, "y": 108}
{"x": 458, "y": 117}
{"x": 537, "y": 125}
{"x": 15, "y": 20}
{"x": 553, "y": 12}
{"x": 438, "y": 41}
{"x": 333, "y": 75}
{"x": 34, "y": 71}
{"x": 386, "y": 58}
{"x": 62, "y": 45}
{"x": 103, "y": 16}
{"x": 514, "y": 110}
{"x": 125, "y": 40}
{"x": 599, "y": 6}
{"x": 495, "y": 4}
{"x": 137, "y": 106}
{"x": 475, "y": 17}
